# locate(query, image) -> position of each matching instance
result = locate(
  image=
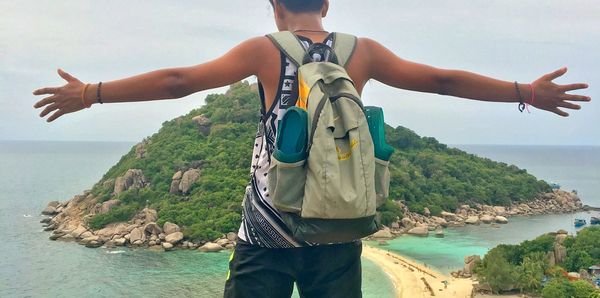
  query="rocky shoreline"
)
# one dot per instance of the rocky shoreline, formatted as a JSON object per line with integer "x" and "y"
{"x": 555, "y": 202}
{"x": 68, "y": 221}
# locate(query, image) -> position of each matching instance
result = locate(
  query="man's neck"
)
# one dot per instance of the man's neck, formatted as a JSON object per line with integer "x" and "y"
{"x": 308, "y": 22}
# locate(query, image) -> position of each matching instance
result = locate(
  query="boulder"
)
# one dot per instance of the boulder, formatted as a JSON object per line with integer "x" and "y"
{"x": 78, "y": 231}
{"x": 93, "y": 244}
{"x": 438, "y": 221}
{"x": 439, "y": 232}
{"x": 395, "y": 225}
{"x": 137, "y": 234}
{"x": 486, "y": 219}
{"x": 170, "y": 228}
{"x": 90, "y": 239}
{"x": 562, "y": 232}
{"x": 173, "y": 238}
{"x": 203, "y": 123}
{"x": 120, "y": 241}
{"x": 560, "y": 238}
{"x": 49, "y": 210}
{"x": 118, "y": 228}
{"x": 133, "y": 178}
{"x": 210, "y": 247}
{"x": 560, "y": 253}
{"x": 499, "y": 210}
{"x": 167, "y": 246}
{"x": 419, "y": 231}
{"x": 188, "y": 179}
{"x": 501, "y": 219}
{"x": 384, "y": 233}
{"x": 408, "y": 223}
{"x": 426, "y": 211}
{"x": 140, "y": 148}
{"x": 153, "y": 229}
{"x": 175, "y": 181}
{"x": 231, "y": 236}
{"x": 222, "y": 242}
{"x": 472, "y": 220}
{"x": 448, "y": 216}
{"x": 108, "y": 205}
{"x": 470, "y": 262}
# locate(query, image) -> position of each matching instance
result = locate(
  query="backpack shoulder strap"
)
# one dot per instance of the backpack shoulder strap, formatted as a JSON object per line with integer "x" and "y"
{"x": 344, "y": 46}
{"x": 290, "y": 45}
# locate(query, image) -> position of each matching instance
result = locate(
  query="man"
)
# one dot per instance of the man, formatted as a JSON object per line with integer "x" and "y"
{"x": 268, "y": 260}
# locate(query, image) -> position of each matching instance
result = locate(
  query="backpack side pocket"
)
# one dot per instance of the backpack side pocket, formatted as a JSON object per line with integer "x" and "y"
{"x": 286, "y": 185}
{"x": 382, "y": 180}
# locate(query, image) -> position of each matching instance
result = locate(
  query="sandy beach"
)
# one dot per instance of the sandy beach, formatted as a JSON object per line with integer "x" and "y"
{"x": 413, "y": 280}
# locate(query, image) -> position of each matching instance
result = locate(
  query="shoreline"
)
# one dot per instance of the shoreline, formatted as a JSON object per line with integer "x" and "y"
{"x": 411, "y": 279}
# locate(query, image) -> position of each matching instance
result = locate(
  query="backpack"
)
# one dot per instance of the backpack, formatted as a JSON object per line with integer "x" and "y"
{"x": 324, "y": 176}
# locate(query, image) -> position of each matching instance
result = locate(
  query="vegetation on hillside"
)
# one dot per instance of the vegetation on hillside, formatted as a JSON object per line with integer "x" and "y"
{"x": 424, "y": 172}
{"x": 527, "y": 268}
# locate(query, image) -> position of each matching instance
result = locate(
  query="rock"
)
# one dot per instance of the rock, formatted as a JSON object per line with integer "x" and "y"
{"x": 419, "y": 231}
{"x": 408, "y": 223}
{"x": 486, "y": 219}
{"x": 472, "y": 220}
{"x": 382, "y": 243}
{"x": 448, "y": 216}
{"x": 170, "y": 228}
{"x": 137, "y": 234}
{"x": 562, "y": 232}
{"x": 560, "y": 253}
{"x": 395, "y": 225}
{"x": 203, "y": 123}
{"x": 222, "y": 242}
{"x": 112, "y": 229}
{"x": 86, "y": 234}
{"x": 137, "y": 242}
{"x": 45, "y": 220}
{"x": 120, "y": 241}
{"x": 384, "y": 233}
{"x": 439, "y": 232}
{"x": 426, "y": 211}
{"x": 231, "y": 236}
{"x": 56, "y": 236}
{"x": 501, "y": 219}
{"x": 162, "y": 236}
{"x": 230, "y": 246}
{"x": 150, "y": 215}
{"x": 153, "y": 229}
{"x": 174, "y": 237}
{"x": 167, "y": 246}
{"x": 155, "y": 247}
{"x": 93, "y": 244}
{"x": 133, "y": 178}
{"x": 438, "y": 221}
{"x": 470, "y": 262}
{"x": 140, "y": 148}
{"x": 210, "y": 247}
{"x": 499, "y": 210}
{"x": 560, "y": 238}
{"x": 550, "y": 258}
{"x": 78, "y": 231}
{"x": 106, "y": 206}
{"x": 89, "y": 239}
{"x": 49, "y": 210}
{"x": 188, "y": 179}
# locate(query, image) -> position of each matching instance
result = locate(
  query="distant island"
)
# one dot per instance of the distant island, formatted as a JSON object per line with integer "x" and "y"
{"x": 183, "y": 186}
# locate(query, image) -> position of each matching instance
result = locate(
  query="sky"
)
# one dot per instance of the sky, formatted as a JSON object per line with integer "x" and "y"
{"x": 108, "y": 40}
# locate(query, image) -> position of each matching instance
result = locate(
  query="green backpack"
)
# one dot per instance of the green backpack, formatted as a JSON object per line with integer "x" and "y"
{"x": 329, "y": 171}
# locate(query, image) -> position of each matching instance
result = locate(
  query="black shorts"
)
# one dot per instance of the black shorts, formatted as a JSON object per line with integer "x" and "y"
{"x": 319, "y": 271}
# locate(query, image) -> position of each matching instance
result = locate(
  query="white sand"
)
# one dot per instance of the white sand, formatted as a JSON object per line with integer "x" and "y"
{"x": 407, "y": 275}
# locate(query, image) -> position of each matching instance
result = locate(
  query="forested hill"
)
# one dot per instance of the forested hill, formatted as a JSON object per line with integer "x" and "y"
{"x": 194, "y": 170}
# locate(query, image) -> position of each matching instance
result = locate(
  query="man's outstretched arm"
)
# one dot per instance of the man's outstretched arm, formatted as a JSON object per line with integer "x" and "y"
{"x": 170, "y": 83}
{"x": 391, "y": 70}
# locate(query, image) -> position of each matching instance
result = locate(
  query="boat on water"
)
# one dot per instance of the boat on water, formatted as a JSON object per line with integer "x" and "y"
{"x": 580, "y": 222}
{"x": 595, "y": 221}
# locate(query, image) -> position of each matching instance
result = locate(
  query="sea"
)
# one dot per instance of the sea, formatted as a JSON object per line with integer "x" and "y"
{"x": 32, "y": 173}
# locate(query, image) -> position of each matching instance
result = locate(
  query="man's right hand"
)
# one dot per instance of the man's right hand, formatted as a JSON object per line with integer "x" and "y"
{"x": 63, "y": 100}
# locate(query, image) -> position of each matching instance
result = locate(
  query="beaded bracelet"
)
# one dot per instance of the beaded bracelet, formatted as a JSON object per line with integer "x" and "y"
{"x": 83, "y": 96}
{"x": 98, "y": 97}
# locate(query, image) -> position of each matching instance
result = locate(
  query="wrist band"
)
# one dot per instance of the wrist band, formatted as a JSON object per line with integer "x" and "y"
{"x": 98, "y": 97}
{"x": 83, "y": 96}
{"x": 521, "y": 103}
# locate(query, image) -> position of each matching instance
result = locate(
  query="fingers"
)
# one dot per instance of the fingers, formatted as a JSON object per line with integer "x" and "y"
{"x": 573, "y": 97}
{"x": 569, "y": 105}
{"x": 559, "y": 112}
{"x": 69, "y": 78}
{"x": 49, "y": 109}
{"x": 47, "y": 90}
{"x": 55, "y": 115}
{"x": 555, "y": 74}
{"x": 45, "y": 101}
{"x": 570, "y": 87}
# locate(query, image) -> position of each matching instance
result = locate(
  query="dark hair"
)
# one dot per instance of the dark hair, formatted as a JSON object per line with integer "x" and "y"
{"x": 301, "y": 5}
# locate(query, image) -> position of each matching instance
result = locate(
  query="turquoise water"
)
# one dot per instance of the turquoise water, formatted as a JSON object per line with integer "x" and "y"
{"x": 34, "y": 173}
{"x": 573, "y": 167}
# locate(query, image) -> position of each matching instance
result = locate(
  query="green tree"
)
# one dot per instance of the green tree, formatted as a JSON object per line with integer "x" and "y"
{"x": 558, "y": 288}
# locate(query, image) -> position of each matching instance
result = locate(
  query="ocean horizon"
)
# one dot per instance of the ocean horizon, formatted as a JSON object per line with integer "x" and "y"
{"x": 33, "y": 173}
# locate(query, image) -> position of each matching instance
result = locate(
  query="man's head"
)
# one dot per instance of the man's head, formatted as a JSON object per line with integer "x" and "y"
{"x": 292, "y": 9}
{"x": 300, "y": 6}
